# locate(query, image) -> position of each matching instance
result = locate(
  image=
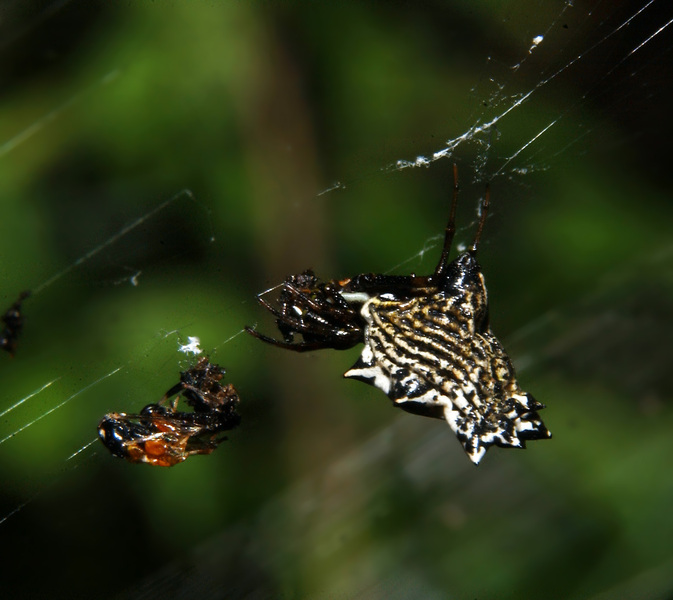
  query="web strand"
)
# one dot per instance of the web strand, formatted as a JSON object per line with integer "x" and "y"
{"x": 473, "y": 132}
{"x": 51, "y": 410}
{"x": 38, "y": 125}
{"x": 28, "y": 397}
{"x": 111, "y": 240}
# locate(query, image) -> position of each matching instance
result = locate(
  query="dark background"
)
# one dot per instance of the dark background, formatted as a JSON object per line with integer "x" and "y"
{"x": 287, "y": 120}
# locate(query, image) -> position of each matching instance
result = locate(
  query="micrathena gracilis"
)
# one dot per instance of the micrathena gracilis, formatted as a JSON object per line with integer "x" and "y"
{"x": 427, "y": 343}
{"x": 161, "y": 435}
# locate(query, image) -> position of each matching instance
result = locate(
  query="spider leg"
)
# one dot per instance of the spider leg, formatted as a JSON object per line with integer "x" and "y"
{"x": 287, "y": 318}
{"x": 322, "y": 310}
{"x": 326, "y": 307}
{"x": 297, "y": 347}
{"x": 318, "y": 326}
{"x": 271, "y": 308}
{"x": 290, "y": 320}
{"x": 176, "y": 389}
{"x": 484, "y": 212}
{"x": 450, "y": 230}
{"x": 315, "y": 325}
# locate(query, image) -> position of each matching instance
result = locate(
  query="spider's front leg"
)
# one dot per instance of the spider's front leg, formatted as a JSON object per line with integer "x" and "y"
{"x": 319, "y": 313}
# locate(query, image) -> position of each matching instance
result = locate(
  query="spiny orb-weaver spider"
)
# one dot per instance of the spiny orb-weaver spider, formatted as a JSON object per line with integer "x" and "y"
{"x": 427, "y": 342}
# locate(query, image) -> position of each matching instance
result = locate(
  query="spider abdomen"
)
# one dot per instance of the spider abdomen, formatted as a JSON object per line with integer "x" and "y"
{"x": 429, "y": 360}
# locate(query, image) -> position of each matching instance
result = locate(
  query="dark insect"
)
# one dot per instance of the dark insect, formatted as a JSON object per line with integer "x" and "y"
{"x": 13, "y": 321}
{"x": 161, "y": 435}
{"x": 427, "y": 343}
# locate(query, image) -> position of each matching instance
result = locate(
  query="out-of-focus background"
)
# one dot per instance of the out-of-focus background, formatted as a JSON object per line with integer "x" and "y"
{"x": 322, "y": 135}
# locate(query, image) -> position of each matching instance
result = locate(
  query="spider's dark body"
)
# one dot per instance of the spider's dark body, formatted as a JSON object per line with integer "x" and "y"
{"x": 316, "y": 310}
{"x": 427, "y": 344}
{"x": 163, "y": 436}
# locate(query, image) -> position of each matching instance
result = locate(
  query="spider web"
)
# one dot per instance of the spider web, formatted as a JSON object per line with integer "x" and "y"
{"x": 151, "y": 190}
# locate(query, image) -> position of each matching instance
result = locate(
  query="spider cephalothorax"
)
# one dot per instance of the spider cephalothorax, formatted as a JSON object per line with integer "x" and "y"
{"x": 427, "y": 343}
{"x": 317, "y": 311}
{"x": 161, "y": 435}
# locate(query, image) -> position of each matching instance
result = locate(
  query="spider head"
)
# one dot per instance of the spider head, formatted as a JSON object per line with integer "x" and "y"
{"x": 317, "y": 312}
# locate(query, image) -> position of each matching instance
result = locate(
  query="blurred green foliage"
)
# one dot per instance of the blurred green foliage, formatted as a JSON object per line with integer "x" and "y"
{"x": 109, "y": 110}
